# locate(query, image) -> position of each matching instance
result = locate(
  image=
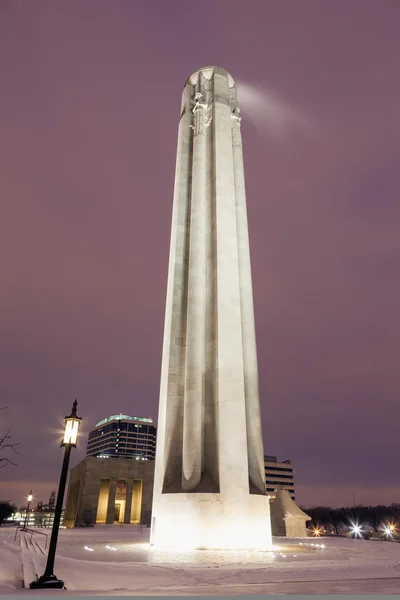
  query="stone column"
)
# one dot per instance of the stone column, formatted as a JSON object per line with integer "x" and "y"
{"x": 128, "y": 501}
{"x": 255, "y": 446}
{"x": 111, "y": 501}
{"x": 170, "y": 420}
{"x": 137, "y": 499}
{"x": 195, "y": 335}
{"x": 232, "y": 438}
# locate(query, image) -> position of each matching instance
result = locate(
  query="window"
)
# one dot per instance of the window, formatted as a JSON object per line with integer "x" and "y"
{"x": 284, "y": 469}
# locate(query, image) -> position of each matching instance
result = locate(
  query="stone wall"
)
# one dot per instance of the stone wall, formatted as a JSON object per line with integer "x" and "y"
{"x": 84, "y": 488}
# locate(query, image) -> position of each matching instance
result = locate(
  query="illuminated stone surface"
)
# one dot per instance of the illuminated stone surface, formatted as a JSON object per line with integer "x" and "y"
{"x": 209, "y": 489}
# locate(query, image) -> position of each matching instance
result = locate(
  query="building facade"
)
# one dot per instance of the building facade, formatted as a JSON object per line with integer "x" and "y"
{"x": 41, "y": 516}
{"x": 279, "y": 475}
{"x": 35, "y": 518}
{"x": 109, "y": 491}
{"x": 123, "y": 436}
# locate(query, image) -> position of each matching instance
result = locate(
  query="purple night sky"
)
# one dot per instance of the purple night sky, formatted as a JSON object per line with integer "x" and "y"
{"x": 89, "y": 109}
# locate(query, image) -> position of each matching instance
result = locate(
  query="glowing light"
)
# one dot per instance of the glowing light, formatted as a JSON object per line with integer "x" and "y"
{"x": 30, "y": 496}
{"x": 356, "y": 529}
{"x": 389, "y": 530}
{"x": 232, "y": 538}
{"x": 317, "y": 531}
{"x": 71, "y": 431}
{"x": 87, "y": 548}
{"x": 210, "y": 524}
{"x": 111, "y": 548}
{"x": 268, "y": 111}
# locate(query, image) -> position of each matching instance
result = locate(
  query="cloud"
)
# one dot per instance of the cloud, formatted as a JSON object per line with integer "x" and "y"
{"x": 268, "y": 112}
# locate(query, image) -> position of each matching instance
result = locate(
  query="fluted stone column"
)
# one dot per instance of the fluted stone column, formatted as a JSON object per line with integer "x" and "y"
{"x": 111, "y": 501}
{"x": 255, "y": 447}
{"x": 234, "y": 476}
{"x": 195, "y": 335}
{"x": 170, "y": 415}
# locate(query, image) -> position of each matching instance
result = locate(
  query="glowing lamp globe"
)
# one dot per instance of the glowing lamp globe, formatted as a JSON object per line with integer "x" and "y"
{"x": 30, "y": 496}
{"x": 71, "y": 427}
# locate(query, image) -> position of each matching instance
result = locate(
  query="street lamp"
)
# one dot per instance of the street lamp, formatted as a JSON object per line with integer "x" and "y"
{"x": 29, "y": 498}
{"x": 71, "y": 428}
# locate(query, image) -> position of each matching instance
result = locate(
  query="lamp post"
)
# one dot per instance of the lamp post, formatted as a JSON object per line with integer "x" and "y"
{"x": 29, "y": 498}
{"x": 71, "y": 428}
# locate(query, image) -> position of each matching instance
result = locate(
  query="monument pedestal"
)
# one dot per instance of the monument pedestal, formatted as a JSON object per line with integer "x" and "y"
{"x": 207, "y": 522}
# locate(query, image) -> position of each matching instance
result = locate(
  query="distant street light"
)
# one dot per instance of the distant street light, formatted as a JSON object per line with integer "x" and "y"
{"x": 29, "y": 499}
{"x": 71, "y": 427}
{"x": 389, "y": 530}
{"x": 356, "y": 529}
{"x": 317, "y": 532}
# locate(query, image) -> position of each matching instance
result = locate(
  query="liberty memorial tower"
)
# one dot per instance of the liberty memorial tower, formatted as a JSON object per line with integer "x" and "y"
{"x": 209, "y": 489}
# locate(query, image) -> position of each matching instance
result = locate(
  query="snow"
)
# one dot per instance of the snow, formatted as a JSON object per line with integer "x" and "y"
{"x": 119, "y": 561}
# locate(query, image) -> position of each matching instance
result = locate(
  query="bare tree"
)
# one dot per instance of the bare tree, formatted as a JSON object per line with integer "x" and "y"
{"x": 336, "y": 517}
{"x": 5, "y": 446}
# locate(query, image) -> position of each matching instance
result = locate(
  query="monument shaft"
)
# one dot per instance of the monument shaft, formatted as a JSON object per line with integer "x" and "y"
{"x": 209, "y": 475}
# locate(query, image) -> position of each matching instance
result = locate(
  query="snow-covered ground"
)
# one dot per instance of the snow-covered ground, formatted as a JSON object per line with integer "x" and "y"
{"x": 118, "y": 560}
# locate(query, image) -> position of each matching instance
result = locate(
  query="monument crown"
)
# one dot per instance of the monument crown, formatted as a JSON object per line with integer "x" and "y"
{"x": 208, "y": 72}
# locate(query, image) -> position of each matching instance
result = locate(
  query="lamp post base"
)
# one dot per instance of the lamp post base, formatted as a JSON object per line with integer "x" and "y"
{"x": 47, "y": 582}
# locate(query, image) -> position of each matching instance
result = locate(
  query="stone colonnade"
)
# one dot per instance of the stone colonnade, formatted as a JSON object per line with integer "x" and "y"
{"x": 127, "y": 493}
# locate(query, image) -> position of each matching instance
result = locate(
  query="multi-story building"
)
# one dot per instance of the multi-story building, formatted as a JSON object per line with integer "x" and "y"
{"x": 279, "y": 475}
{"x": 41, "y": 516}
{"x": 123, "y": 436}
{"x": 35, "y": 518}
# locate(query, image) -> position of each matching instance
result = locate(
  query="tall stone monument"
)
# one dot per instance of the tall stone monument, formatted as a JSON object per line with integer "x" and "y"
{"x": 209, "y": 489}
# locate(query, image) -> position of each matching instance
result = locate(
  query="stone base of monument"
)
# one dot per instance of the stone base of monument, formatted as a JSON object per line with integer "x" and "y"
{"x": 207, "y": 521}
